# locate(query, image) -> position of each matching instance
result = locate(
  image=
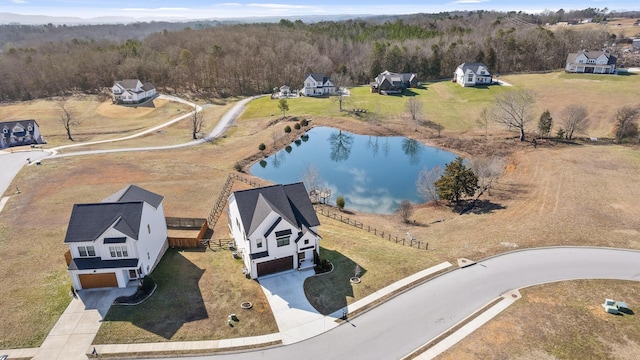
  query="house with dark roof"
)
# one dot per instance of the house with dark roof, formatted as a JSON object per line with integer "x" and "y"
{"x": 275, "y": 228}
{"x": 393, "y": 83}
{"x": 132, "y": 91}
{"x": 317, "y": 84}
{"x": 594, "y": 62}
{"x": 20, "y": 132}
{"x": 118, "y": 240}
{"x": 472, "y": 74}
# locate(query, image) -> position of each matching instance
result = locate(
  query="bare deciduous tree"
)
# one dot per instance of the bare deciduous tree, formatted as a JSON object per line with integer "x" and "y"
{"x": 341, "y": 81}
{"x": 275, "y": 136}
{"x": 483, "y": 121}
{"x": 487, "y": 169}
{"x": 414, "y": 108}
{"x": 66, "y": 118}
{"x": 513, "y": 109}
{"x": 426, "y": 183}
{"x": 575, "y": 119}
{"x": 626, "y": 121}
{"x": 405, "y": 210}
{"x": 311, "y": 177}
{"x": 197, "y": 121}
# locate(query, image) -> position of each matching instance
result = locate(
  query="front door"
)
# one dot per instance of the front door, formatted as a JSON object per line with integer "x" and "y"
{"x": 133, "y": 274}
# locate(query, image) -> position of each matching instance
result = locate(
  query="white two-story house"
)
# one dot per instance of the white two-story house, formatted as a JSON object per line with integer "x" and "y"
{"x": 317, "y": 84}
{"x": 117, "y": 240}
{"x": 21, "y": 132}
{"x": 132, "y": 91}
{"x": 472, "y": 74}
{"x": 274, "y": 228}
{"x": 596, "y": 62}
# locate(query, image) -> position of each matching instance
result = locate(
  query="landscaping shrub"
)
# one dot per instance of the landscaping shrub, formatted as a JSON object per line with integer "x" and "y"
{"x": 304, "y": 122}
{"x": 287, "y": 129}
{"x": 262, "y": 146}
{"x": 147, "y": 284}
{"x": 296, "y": 126}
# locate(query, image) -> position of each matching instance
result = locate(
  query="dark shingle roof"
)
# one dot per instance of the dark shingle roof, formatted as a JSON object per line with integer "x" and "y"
{"x": 133, "y": 193}
{"x": 592, "y": 54}
{"x": 319, "y": 77}
{"x": 98, "y": 263}
{"x": 89, "y": 221}
{"x": 473, "y": 67}
{"x": 128, "y": 84}
{"x": 290, "y": 201}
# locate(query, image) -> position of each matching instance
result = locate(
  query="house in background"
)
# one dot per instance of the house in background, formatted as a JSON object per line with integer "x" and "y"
{"x": 117, "y": 240}
{"x": 317, "y": 84}
{"x": 20, "y": 132}
{"x": 472, "y": 74}
{"x": 595, "y": 62}
{"x": 393, "y": 83}
{"x": 132, "y": 91}
{"x": 274, "y": 228}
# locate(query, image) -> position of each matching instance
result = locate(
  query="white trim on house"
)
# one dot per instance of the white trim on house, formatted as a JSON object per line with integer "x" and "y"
{"x": 472, "y": 74}
{"x": 317, "y": 84}
{"x": 132, "y": 91}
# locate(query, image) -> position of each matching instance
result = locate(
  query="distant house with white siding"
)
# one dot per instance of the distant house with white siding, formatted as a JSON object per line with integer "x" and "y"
{"x": 317, "y": 84}
{"x": 132, "y": 91}
{"x": 20, "y": 132}
{"x": 593, "y": 62}
{"x": 472, "y": 74}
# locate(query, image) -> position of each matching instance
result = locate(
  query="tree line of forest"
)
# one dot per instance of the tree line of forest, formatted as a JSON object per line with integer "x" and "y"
{"x": 248, "y": 59}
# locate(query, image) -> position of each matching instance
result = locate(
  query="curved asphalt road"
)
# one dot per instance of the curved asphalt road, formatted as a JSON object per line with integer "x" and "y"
{"x": 408, "y": 321}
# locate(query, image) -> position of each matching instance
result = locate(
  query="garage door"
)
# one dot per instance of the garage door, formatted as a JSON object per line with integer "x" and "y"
{"x": 90, "y": 281}
{"x": 275, "y": 266}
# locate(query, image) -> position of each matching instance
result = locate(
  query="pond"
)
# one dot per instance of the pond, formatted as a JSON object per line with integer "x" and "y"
{"x": 373, "y": 173}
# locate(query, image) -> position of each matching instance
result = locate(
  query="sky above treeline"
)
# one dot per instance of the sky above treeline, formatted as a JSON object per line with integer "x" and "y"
{"x": 196, "y": 9}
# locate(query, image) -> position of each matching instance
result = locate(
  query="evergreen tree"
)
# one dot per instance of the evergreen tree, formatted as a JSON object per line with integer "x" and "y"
{"x": 456, "y": 181}
{"x": 545, "y": 123}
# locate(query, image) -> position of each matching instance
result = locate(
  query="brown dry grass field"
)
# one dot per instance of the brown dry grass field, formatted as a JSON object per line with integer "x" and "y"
{"x": 558, "y": 321}
{"x": 622, "y": 27}
{"x": 557, "y": 194}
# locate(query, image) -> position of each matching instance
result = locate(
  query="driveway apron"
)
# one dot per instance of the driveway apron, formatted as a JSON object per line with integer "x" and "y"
{"x": 72, "y": 335}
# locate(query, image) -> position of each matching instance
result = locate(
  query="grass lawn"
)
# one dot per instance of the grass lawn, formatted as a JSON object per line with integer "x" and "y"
{"x": 381, "y": 263}
{"x": 559, "y": 321}
{"x": 197, "y": 290}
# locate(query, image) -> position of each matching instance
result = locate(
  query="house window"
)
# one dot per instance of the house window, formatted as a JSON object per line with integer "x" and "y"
{"x": 118, "y": 251}
{"x": 238, "y": 223}
{"x": 283, "y": 240}
{"x": 470, "y": 78}
{"x": 259, "y": 243}
{"x": 306, "y": 242}
{"x": 86, "y": 251}
{"x": 149, "y": 228}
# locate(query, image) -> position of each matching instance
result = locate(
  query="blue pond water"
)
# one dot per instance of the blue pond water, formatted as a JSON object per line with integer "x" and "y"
{"x": 373, "y": 173}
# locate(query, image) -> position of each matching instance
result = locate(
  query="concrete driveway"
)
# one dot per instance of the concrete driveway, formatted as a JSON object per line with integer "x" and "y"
{"x": 72, "y": 335}
{"x": 296, "y": 318}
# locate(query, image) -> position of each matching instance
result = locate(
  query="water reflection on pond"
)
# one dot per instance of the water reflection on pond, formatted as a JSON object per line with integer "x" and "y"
{"x": 373, "y": 173}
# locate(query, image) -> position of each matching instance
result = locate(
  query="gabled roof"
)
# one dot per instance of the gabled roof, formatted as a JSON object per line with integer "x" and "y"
{"x": 291, "y": 202}
{"x": 129, "y": 84}
{"x": 392, "y": 77}
{"x": 133, "y": 193}
{"x": 592, "y": 54}
{"x": 318, "y": 77}
{"x": 22, "y": 123}
{"x": 474, "y": 67}
{"x": 89, "y": 221}
{"x": 148, "y": 86}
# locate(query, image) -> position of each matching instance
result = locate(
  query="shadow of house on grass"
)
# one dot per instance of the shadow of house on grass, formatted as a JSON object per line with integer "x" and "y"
{"x": 329, "y": 292}
{"x": 176, "y": 301}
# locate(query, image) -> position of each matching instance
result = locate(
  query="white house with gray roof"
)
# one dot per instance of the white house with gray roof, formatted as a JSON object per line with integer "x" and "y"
{"x": 117, "y": 240}
{"x": 132, "y": 91}
{"x": 20, "y": 132}
{"x": 317, "y": 84}
{"x": 275, "y": 228}
{"x": 472, "y": 74}
{"x": 594, "y": 62}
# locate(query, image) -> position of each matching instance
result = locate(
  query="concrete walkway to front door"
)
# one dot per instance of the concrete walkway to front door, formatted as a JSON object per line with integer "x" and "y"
{"x": 72, "y": 335}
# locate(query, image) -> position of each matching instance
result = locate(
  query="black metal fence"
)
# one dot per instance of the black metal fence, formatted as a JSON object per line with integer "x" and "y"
{"x": 413, "y": 242}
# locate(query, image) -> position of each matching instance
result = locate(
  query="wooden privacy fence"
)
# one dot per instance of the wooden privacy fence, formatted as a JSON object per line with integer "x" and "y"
{"x": 195, "y": 224}
{"x": 385, "y": 235}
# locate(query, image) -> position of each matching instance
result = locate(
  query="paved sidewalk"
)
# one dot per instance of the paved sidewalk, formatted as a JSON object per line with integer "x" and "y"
{"x": 507, "y": 299}
{"x": 292, "y": 331}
